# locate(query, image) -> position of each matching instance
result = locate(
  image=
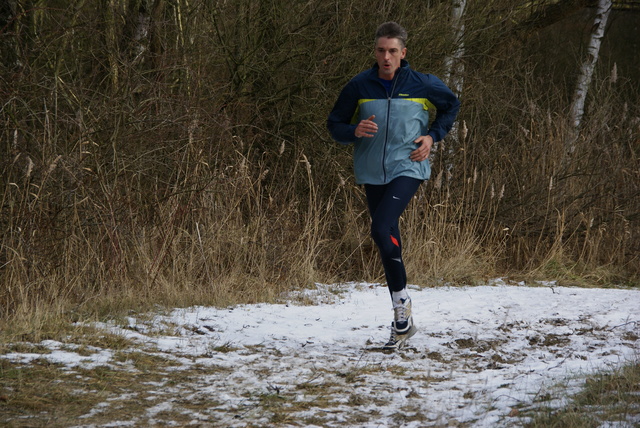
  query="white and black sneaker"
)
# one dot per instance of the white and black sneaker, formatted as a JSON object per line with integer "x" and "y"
{"x": 402, "y": 327}
{"x": 396, "y": 340}
{"x": 402, "y": 319}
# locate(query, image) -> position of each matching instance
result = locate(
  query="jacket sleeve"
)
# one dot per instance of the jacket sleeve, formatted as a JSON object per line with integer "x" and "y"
{"x": 343, "y": 113}
{"x": 447, "y": 107}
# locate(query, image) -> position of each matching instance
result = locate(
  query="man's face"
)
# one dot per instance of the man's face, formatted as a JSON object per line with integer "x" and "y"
{"x": 389, "y": 52}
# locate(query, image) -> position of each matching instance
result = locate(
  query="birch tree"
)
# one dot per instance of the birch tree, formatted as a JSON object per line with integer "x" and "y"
{"x": 588, "y": 66}
{"x": 140, "y": 18}
{"x": 454, "y": 67}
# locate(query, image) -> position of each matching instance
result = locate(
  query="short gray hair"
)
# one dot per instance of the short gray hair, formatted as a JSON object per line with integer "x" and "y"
{"x": 392, "y": 30}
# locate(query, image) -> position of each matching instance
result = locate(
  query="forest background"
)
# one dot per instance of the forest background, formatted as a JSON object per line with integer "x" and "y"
{"x": 160, "y": 152}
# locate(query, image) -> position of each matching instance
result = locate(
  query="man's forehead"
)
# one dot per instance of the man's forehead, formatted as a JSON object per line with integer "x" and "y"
{"x": 388, "y": 42}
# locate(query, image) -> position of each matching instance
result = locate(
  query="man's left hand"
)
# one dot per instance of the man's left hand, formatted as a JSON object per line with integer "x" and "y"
{"x": 423, "y": 151}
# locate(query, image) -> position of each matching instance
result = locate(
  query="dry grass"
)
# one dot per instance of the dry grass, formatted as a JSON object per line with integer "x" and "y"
{"x": 44, "y": 394}
{"x": 193, "y": 168}
{"x": 612, "y": 397}
{"x": 200, "y": 172}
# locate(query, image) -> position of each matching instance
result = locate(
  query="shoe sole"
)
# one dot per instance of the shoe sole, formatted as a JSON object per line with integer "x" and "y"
{"x": 402, "y": 339}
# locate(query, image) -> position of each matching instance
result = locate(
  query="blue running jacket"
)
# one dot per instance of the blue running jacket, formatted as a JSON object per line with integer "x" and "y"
{"x": 401, "y": 116}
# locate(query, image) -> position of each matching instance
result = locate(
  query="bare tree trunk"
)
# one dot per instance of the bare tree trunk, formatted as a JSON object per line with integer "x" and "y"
{"x": 454, "y": 66}
{"x": 19, "y": 26}
{"x": 109, "y": 16}
{"x": 586, "y": 71}
{"x": 7, "y": 31}
{"x": 140, "y": 14}
{"x": 66, "y": 39}
{"x": 142, "y": 32}
{"x": 454, "y": 72}
{"x": 180, "y": 9}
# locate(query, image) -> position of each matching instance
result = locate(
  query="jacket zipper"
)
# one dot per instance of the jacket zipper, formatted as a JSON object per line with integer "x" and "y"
{"x": 386, "y": 135}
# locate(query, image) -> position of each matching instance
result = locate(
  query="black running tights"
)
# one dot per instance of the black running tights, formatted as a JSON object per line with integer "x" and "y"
{"x": 386, "y": 204}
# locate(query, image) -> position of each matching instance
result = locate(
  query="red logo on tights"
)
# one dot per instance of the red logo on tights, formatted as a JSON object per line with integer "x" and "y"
{"x": 395, "y": 241}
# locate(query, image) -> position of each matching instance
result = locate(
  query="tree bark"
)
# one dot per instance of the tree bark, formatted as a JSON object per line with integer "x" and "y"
{"x": 454, "y": 73}
{"x": 139, "y": 19}
{"x": 588, "y": 66}
{"x": 7, "y": 34}
{"x": 454, "y": 66}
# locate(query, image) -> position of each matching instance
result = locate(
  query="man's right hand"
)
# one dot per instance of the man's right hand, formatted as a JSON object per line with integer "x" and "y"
{"x": 366, "y": 127}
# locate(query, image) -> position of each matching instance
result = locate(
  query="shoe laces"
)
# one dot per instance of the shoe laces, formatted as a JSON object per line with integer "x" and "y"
{"x": 401, "y": 311}
{"x": 394, "y": 335}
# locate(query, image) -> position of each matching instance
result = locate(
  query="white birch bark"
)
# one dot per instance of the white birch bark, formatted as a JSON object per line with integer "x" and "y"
{"x": 588, "y": 66}
{"x": 141, "y": 32}
{"x": 454, "y": 73}
{"x": 454, "y": 66}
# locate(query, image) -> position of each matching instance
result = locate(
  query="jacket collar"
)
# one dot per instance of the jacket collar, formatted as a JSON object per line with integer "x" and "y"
{"x": 404, "y": 64}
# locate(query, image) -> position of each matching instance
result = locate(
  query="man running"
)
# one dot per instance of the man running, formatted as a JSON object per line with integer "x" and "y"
{"x": 384, "y": 113}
